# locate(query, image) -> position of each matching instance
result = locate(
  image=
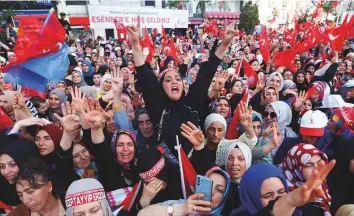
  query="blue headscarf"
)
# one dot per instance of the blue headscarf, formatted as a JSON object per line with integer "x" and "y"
{"x": 218, "y": 170}
{"x": 90, "y": 71}
{"x": 251, "y": 182}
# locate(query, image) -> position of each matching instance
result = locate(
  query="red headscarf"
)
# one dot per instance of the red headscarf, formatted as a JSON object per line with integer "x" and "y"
{"x": 54, "y": 132}
{"x": 293, "y": 166}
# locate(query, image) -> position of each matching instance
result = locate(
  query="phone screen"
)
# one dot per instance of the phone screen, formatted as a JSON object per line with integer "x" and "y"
{"x": 204, "y": 186}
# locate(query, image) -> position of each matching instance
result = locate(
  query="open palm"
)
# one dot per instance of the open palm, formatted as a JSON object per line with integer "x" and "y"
{"x": 192, "y": 133}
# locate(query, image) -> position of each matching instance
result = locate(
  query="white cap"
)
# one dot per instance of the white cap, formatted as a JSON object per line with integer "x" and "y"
{"x": 313, "y": 123}
{"x": 78, "y": 69}
{"x": 335, "y": 101}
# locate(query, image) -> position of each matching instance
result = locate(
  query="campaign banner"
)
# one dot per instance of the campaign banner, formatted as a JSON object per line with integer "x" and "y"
{"x": 104, "y": 16}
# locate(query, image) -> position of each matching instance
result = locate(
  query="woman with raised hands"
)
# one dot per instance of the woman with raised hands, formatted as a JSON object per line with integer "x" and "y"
{"x": 75, "y": 161}
{"x": 167, "y": 105}
{"x": 116, "y": 162}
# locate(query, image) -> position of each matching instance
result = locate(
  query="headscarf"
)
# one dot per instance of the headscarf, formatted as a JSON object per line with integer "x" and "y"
{"x": 81, "y": 83}
{"x": 116, "y": 136}
{"x": 301, "y": 86}
{"x": 264, "y": 100}
{"x": 215, "y": 106}
{"x": 82, "y": 188}
{"x": 103, "y": 79}
{"x": 250, "y": 185}
{"x": 284, "y": 117}
{"x": 288, "y": 84}
{"x": 55, "y": 134}
{"x": 151, "y": 163}
{"x": 321, "y": 87}
{"x": 273, "y": 75}
{"x": 293, "y": 166}
{"x": 343, "y": 118}
{"x": 90, "y": 91}
{"x": 91, "y": 171}
{"x": 346, "y": 210}
{"x": 217, "y": 210}
{"x": 62, "y": 99}
{"x": 225, "y": 148}
{"x": 214, "y": 117}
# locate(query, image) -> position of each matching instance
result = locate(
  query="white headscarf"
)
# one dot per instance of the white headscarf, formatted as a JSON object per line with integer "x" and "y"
{"x": 104, "y": 78}
{"x": 225, "y": 148}
{"x": 280, "y": 77}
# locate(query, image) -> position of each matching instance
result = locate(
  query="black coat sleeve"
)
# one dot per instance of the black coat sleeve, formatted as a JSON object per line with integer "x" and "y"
{"x": 198, "y": 91}
{"x": 152, "y": 92}
{"x": 64, "y": 168}
{"x": 329, "y": 74}
{"x": 183, "y": 70}
{"x": 202, "y": 160}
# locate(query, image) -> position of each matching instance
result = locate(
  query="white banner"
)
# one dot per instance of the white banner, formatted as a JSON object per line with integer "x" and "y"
{"x": 103, "y": 17}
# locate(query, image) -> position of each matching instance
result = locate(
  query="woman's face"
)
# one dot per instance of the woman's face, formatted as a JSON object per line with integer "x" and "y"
{"x": 111, "y": 65}
{"x": 271, "y": 95}
{"x": 275, "y": 82}
{"x": 269, "y": 119}
{"x": 307, "y": 105}
{"x": 235, "y": 64}
{"x": 298, "y": 65}
{"x": 119, "y": 61}
{"x": 236, "y": 164}
{"x": 237, "y": 88}
{"x": 81, "y": 157}
{"x": 193, "y": 74}
{"x": 43, "y": 107}
{"x": 92, "y": 209}
{"x": 170, "y": 64}
{"x": 257, "y": 127}
{"x": 300, "y": 78}
{"x": 125, "y": 75}
{"x": 85, "y": 68}
{"x": 310, "y": 166}
{"x": 223, "y": 108}
{"x": 350, "y": 93}
{"x": 44, "y": 143}
{"x": 185, "y": 86}
{"x": 76, "y": 78}
{"x": 287, "y": 75}
{"x": 219, "y": 186}
{"x": 8, "y": 168}
{"x": 54, "y": 101}
{"x": 34, "y": 198}
{"x": 125, "y": 149}
{"x": 349, "y": 67}
{"x": 172, "y": 85}
{"x": 271, "y": 188}
{"x": 107, "y": 84}
{"x": 61, "y": 86}
{"x": 94, "y": 58}
{"x": 255, "y": 65}
{"x": 311, "y": 69}
{"x": 130, "y": 65}
{"x": 215, "y": 133}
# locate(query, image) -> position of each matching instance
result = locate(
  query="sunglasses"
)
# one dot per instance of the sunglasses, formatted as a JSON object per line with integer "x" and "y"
{"x": 271, "y": 114}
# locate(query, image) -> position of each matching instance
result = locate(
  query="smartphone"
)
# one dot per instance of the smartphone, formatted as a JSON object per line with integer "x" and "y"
{"x": 204, "y": 186}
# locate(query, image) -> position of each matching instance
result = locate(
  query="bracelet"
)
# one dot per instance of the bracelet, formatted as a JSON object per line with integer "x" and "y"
{"x": 118, "y": 108}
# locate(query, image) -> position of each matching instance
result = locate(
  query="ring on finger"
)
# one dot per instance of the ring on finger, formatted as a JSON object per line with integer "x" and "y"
{"x": 195, "y": 208}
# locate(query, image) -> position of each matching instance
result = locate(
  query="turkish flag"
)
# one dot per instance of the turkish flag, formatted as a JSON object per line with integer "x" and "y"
{"x": 285, "y": 58}
{"x": 147, "y": 43}
{"x": 212, "y": 28}
{"x": 336, "y": 36}
{"x": 300, "y": 27}
{"x": 264, "y": 45}
{"x": 312, "y": 38}
{"x": 163, "y": 33}
{"x": 190, "y": 175}
{"x": 250, "y": 74}
{"x": 173, "y": 51}
{"x": 123, "y": 197}
{"x": 154, "y": 32}
{"x": 290, "y": 37}
{"x": 121, "y": 30}
{"x": 232, "y": 132}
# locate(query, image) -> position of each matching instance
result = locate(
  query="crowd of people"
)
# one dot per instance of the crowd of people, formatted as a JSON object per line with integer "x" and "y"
{"x": 103, "y": 140}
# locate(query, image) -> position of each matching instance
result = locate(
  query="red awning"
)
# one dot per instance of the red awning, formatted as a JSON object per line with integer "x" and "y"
{"x": 81, "y": 21}
{"x": 222, "y": 15}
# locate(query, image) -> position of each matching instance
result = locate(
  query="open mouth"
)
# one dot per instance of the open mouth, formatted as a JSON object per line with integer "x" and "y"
{"x": 174, "y": 90}
{"x": 235, "y": 171}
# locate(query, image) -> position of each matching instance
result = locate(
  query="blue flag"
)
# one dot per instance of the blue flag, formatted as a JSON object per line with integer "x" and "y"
{"x": 36, "y": 72}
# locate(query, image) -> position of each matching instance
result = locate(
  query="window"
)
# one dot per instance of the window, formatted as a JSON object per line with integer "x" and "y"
{"x": 70, "y": 2}
{"x": 150, "y": 3}
{"x": 109, "y": 33}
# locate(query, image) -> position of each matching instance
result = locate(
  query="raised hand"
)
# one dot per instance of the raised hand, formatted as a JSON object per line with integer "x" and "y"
{"x": 188, "y": 57}
{"x": 300, "y": 99}
{"x": 18, "y": 101}
{"x": 134, "y": 32}
{"x": 229, "y": 34}
{"x": 276, "y": 138}
{"x": 117, "y": 82}
{"x": 310, "y": 191}
{"x": 77, "y": 103}
{"x": 220, "y": 82}
{"x": 94, "y": 115}
{"x": 70, "y": 121}
{"x": 150, "y": 190}
{"x": 193, "y": 134}
{"x": 246, "y": 119}
{"x": 260, "y": 85}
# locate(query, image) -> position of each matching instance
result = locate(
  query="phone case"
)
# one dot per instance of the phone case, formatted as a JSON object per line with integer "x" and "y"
{"x": 204, "y": 186}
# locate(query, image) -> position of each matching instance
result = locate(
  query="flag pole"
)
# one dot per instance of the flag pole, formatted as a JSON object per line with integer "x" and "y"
{"x": 178, "y": 148}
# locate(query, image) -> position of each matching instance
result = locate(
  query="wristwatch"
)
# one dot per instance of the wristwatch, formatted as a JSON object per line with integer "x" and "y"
{"x": 170, "y": 210}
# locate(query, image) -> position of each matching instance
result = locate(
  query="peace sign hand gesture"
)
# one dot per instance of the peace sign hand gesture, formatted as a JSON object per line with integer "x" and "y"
{"x": 193, "y": 134}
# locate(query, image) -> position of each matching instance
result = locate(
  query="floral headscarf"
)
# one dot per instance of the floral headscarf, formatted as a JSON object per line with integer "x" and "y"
{"x": 215, "y": 106}
{"x": 293, "y": 166}
{"x": 264, "y": 100}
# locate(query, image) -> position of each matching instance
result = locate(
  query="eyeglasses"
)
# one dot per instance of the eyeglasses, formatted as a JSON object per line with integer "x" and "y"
{"x": 271, "y": 114}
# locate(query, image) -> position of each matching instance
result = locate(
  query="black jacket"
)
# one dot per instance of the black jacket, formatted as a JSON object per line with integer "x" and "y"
{"x": 175, "y": 113}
